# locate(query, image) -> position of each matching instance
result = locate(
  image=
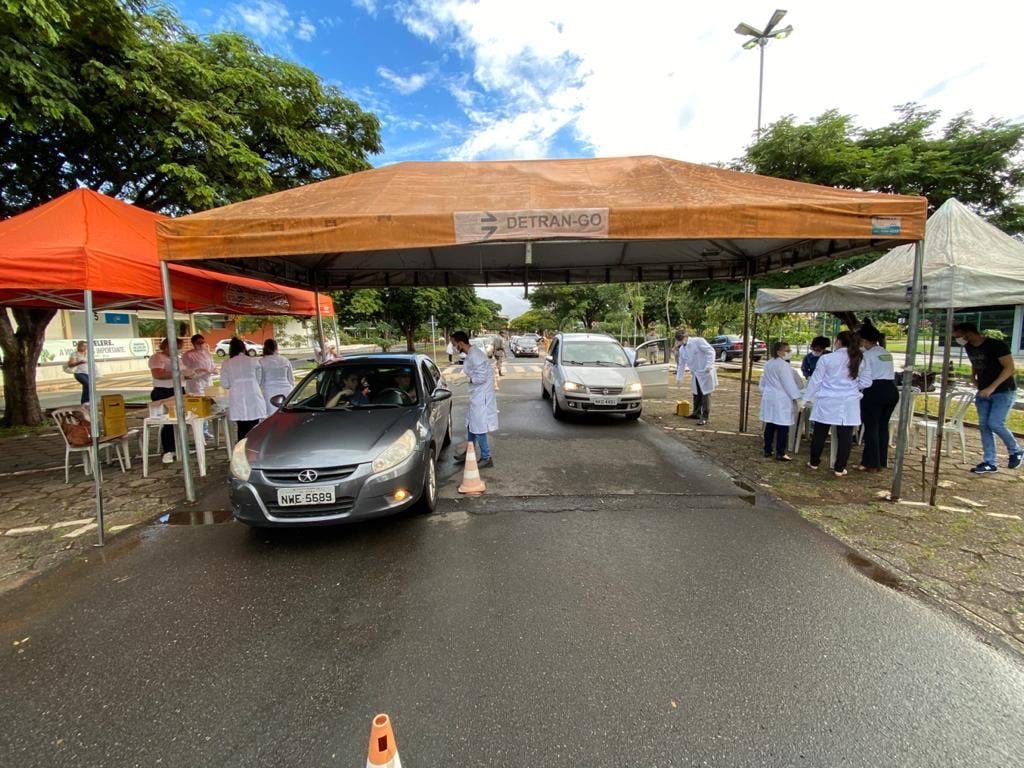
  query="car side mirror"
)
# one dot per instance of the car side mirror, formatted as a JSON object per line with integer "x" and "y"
{"x": 549, "y": 358}
{"x": 640, "y": 361}
{"x": 277, "y": 401}
{"x": 440, "y": 395}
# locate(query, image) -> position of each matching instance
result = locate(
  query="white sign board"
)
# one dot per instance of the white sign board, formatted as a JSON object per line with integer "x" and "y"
{"x": 482, "y": 226}
{"x": 59, "y": 350}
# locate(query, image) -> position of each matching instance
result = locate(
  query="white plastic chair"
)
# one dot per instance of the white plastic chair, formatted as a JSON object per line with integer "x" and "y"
{"x": 76, "y": 415}
{"x": 956, "y": 410}
{"x": 894, "y": 420}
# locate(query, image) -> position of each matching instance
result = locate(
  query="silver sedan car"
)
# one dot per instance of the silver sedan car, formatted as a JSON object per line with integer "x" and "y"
{"x": 357, "y": 438}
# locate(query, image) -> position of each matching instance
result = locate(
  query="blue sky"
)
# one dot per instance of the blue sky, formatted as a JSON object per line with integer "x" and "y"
{"x": 497, "y": 79}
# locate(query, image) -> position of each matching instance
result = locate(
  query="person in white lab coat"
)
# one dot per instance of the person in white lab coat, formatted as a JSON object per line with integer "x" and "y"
{"x": 779, "y": 391}
{"x": 482, "y": 416}
{"x": 835, "y": 389}
{"x": 695, "y": 353}
{"x": 242, "y": 377}
{"x": 278, "y": 376}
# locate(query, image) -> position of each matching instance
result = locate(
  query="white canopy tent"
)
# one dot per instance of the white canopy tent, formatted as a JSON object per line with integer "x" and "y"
{"x": 967, "y": 263}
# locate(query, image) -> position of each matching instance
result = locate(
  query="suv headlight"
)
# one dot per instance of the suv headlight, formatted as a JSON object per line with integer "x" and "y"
{"x": 572, "y": 386}
{"x": 396, "y": 453}
{"x": 239, "y": 462}
{"x": 636, "y": 388}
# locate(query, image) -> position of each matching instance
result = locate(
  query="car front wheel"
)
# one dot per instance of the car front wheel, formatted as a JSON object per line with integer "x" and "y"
{"x": 723, "y": 356}
{"x": 427, "y": 501}
{"x": 556, "y": 409}
{"x": 251, "y": 352}
{"x": 221, "y": 353}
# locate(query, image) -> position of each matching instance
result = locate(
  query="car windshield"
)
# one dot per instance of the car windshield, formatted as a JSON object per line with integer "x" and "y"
{"x": 356, "y": 385}
{"x": 598, "y": 353}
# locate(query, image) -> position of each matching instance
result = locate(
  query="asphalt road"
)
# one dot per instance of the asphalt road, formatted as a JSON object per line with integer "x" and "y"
{"x": 612, "y": 600}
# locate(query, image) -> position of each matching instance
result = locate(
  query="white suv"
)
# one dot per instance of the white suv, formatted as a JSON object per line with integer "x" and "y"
{"x": 591, "y": 373}
{"x": 251, "y": 348}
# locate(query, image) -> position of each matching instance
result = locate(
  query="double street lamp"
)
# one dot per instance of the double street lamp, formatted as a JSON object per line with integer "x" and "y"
{"x": 759, "y": 39}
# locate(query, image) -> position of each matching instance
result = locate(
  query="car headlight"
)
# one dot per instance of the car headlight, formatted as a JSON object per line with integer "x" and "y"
{"x": 636, "y": 388}
{"x": 239, "y": 462}
{"x": 396, "y": 453}
{"x": 572, "y": 386}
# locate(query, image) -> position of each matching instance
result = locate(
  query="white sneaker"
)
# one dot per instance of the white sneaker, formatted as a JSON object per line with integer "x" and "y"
{"x": 168, "y": 458}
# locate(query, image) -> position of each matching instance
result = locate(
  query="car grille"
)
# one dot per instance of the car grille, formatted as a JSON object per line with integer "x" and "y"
{"x": 325, "y": 475}
{"x": 343, "y": 504}
{"x": 605, "y": 390}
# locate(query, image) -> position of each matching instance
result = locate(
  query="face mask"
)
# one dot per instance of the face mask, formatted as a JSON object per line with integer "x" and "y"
{"x": 787, "y": 355}
{"x": 960, "y": 340}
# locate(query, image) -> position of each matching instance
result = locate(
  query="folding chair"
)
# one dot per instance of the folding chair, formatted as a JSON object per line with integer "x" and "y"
{"x": 956, "y": 410}
{"x": 67, "y": 419}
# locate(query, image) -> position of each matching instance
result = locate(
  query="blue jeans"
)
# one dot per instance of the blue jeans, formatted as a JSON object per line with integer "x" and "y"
{"x": 992, "y": 413}
{"x": 83, "y": 379}
{"x": 483, "y": 448}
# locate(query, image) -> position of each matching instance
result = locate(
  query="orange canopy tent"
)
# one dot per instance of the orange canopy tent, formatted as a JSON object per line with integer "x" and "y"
{"x": 83, "y": 240}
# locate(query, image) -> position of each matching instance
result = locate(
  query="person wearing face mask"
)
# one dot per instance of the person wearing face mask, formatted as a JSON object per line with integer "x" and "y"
{"x": 879, "y": 401}
{"x": 779, "y": 391}
{"x": 993, "y": 369}
{"x": 695, "y": 353}
{"x": 819, "y": 346}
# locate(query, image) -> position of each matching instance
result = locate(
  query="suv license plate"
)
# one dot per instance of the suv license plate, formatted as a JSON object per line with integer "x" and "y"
{"x": 301, "y": 497}
{"x": 606, "y": 401}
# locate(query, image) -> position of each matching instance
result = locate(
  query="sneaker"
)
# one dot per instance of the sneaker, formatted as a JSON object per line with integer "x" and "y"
{"x": 168, "y": 458}
{"x": 985, "y": 468}
{"x": 1014, "y": 461}
{"x": 485, "y": 463}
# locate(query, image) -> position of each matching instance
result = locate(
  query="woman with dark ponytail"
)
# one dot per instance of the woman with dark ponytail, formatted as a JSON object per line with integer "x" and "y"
{"x": 879, "y": 401}
{"x": 835, "y": 389}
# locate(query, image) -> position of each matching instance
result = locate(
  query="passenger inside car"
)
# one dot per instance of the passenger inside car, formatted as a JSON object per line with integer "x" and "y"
{"x": 352, "y": 391}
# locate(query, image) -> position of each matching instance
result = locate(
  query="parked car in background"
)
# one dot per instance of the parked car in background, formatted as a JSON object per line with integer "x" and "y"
{"x": 486, "y": 343}
{"x": 730, "y": 346}
{"x": 525, "y": 346}
{"x": 590, "y": 373}
{"x": 251, "y": 348}
{"x": 357, "y": 438}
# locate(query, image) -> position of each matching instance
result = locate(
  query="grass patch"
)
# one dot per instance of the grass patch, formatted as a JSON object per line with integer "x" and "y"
{"x": 42, "y": 429}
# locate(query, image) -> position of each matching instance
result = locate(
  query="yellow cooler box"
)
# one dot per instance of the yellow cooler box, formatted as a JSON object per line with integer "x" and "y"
{"x": 200, "y": 406}
{"x": 683, "y": 407}
{"x": 113, "y": 417}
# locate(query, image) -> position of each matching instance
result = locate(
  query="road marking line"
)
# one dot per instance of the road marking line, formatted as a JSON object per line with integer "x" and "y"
{"x": 26, "y": 529}
{"x": 79, "y": 531}
{"x": 1004, "y": 517}
{"x": 70, "y": 523}
{"x": 119, "y": 528}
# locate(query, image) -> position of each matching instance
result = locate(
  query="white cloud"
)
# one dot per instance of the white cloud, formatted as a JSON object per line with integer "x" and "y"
{"x": 405, "y": 85}
{"x": 306, "y": 30}
{"x": 670, "y": 77}
{"x": 370, "y": 6}
{"x": 266, "y": 19}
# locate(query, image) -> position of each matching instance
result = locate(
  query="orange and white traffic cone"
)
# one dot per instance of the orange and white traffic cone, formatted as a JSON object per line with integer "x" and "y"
{"x": 383, "y": 752}
{"x": 471, "y": 482}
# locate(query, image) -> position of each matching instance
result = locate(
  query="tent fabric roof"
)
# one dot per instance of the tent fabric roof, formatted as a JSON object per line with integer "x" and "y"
{"x": 967, "y": 263}
{"x": 83, "y": 240}
{"x": 588, "y": 220}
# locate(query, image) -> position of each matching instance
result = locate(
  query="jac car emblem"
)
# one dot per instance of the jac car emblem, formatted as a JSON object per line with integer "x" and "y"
{"x": 307, "y": 475}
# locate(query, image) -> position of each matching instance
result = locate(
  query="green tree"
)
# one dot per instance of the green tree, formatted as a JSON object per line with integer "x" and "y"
{"x": 532, "y": 320}
{"x": 584, "y": 303}
{"x": 103, "y": 94}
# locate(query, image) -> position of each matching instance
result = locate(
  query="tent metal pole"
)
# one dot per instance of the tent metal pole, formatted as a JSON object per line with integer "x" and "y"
{"x": 906, "y": 400}
{"x": 94, "y": 421}
{"x": 750, "y": 372}
{"x": 746, "y": 349}
{"x": 319, "y": 323}
{"x": 943, "y": 388}
{"x": 179, "y": 396}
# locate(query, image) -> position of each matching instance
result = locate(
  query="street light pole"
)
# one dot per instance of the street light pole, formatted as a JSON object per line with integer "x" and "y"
{"x": 759, "y": 39}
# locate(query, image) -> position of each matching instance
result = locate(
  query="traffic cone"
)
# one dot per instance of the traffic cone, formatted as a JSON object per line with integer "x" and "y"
{"x": 471, "y": 482}
{"x": 383, "y": 752}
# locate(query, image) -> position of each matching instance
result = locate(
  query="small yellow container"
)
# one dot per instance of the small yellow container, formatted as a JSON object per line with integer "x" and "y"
{"x": 113, "y": 417}
{"x": 683, "y": 407}
{"x": 200, "y": 406}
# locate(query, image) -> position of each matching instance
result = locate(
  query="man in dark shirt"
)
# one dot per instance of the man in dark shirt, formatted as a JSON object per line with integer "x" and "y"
{"x": 993, "y": 369}
{"x": 819, "y": 346}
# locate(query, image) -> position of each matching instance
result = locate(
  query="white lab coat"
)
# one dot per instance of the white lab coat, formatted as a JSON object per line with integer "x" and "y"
{"x": 242, "y": 376}
{"x": 278, "y": 378}
{"x": 836, "y": 396}
{"x": 193, "y": 360}
{"x": 779, "y": 389}
{"x": 482, "y": 415}
{"x": 699, "y": 357}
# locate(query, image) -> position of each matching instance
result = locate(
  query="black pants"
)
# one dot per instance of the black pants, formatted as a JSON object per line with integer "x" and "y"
{"x": 701, "y": 402}
{"x": 876, "y": 409}
{"x": 779, "y": 434}
{"x": 166, "y": 432}
{"x": 243, "y": 427}
{"x": 845, "y": 437}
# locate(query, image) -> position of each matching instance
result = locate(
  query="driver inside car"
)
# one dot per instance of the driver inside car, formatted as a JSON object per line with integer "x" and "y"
{"x": 404, "y": 383}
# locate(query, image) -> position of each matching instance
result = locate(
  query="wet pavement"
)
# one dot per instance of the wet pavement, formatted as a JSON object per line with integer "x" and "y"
{"x": 612, "y": 600}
